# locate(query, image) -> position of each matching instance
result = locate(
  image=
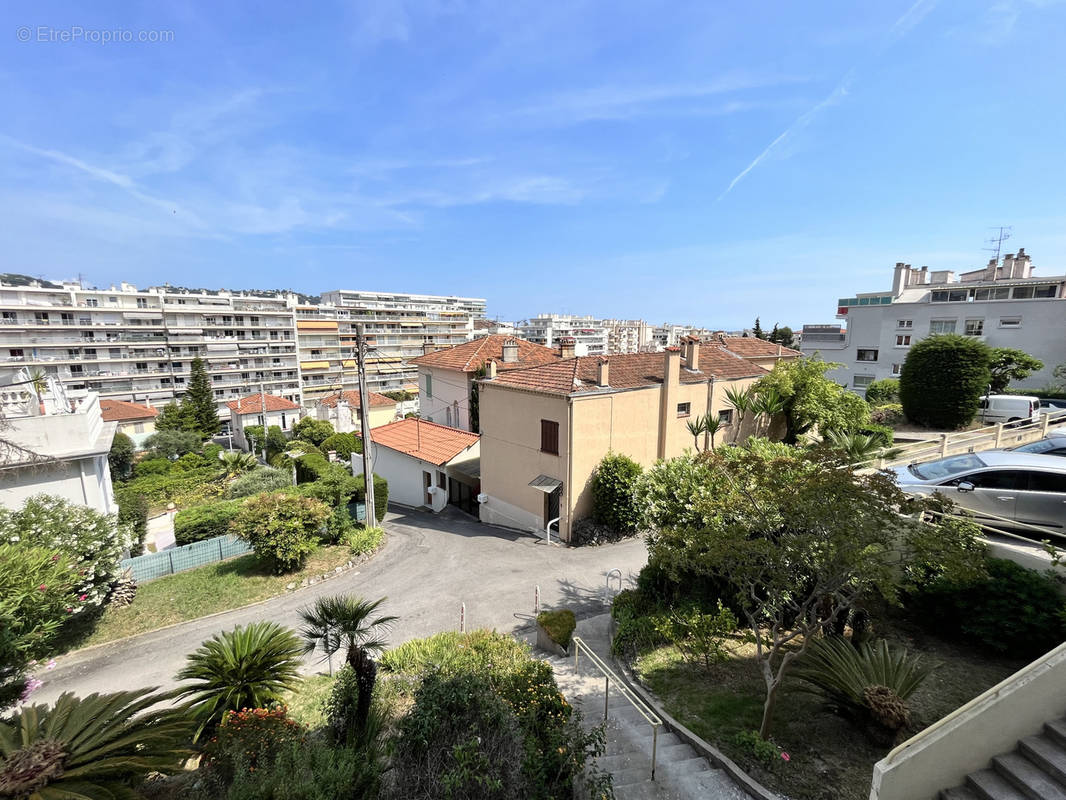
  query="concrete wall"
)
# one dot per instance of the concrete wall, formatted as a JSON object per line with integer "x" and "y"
{"x": 941, "y": 757}
{"x": 85, "y": 481}
{"x": 450, "y": 403}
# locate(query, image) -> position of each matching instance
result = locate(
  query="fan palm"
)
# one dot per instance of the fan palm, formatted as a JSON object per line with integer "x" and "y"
{"x": 350, "y": 622}
{"x": 248, "y": 667}
{"x": 711, "y": 425}
{"x": 91, "y": 748}
{"x": 235, "y": 462}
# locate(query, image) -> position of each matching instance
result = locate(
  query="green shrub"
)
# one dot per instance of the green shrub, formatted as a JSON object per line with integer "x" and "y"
{"x": 882, "y": 435}
{"x": 120, "y": 458}
{"x": 282, "y": 528}
{"x": 614, "y": 492}
{"x": 192, "y": 461}
{"x": 559, "y": 625}
{"x": 942, "y": 380}
{"x": 315, "y": 431}
{"x": 205, "y": 522}
{"x": 762, "y": 750}
{"x": 168, "y": 444}
{"x": 133, "y": 514}
{"x": 1010, "y": 610}
{"x": 211, "y": 452}
{"x": 344, "y": 444}
{"x": 887, "y": 414}
{"x": 700, "y": 636}
{"x": 259, "y": 480}
{"x": 188, "y": 488}
{"x": 363, "y": 541}
{"x": 152, "y": 466}
{"x": 313, "y": 769}
{"x": 883, "y": 391}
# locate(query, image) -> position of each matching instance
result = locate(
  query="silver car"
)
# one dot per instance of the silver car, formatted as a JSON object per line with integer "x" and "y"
{"x": 1023, "y": 487}
{"x": 1049, "y": 446}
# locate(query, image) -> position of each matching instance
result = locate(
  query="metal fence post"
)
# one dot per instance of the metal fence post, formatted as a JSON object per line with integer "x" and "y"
{"x": 219, "y": 548}
{"x": 536, "y": 599}
{"x": 606, "y": 694}
{"x": 462, "y": 618}
{"x": 943, "y": 445}
{"x": 170, "y": 556}
{"x": 654, "y": 747}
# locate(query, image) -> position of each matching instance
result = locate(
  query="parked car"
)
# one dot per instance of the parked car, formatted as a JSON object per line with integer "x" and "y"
{"x": 997, "y": 484}
{"x": 1049, "y": 446}
{"x": 995, "y": 408}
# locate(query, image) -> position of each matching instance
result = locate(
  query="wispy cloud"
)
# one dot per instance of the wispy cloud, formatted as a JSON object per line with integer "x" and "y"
{"x": 900, "y": 28}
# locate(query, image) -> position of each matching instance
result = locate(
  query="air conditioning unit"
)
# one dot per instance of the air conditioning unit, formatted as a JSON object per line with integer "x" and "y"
{"x": 483, "y": 498}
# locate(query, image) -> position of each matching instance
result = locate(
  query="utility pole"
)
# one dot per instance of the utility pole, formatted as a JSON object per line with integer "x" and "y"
{"x": 263, "y": 407}
{"x": 364, "y": 420}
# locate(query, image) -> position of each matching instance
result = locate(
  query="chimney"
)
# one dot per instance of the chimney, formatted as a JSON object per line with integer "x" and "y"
{"x": 604, "y": 377}
{"x": 510, "y": 352}
{"x": 923, "y": 274}
{"x": 692, "y": 357}
{"x": 899, "y": 278}
{"x": 567, "y": 347}
{"x": 668, "y": 399}
{"x": 490, "y": 369}
{"x": 428, "y": 348}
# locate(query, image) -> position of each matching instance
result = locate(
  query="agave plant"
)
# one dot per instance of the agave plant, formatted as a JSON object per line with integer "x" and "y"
{"x": 871, "y": 681}
{"x": 248, "y": 667}
{"x": 235, "y": 462}
{"x": 91, "y": 748}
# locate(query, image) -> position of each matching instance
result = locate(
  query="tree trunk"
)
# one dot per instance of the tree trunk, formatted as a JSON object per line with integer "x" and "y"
{"x": 366, "y": 673}
{"x": 768, "y": 708}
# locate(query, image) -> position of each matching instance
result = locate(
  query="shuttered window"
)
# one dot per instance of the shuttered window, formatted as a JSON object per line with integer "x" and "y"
{"x": 549, "y": 437}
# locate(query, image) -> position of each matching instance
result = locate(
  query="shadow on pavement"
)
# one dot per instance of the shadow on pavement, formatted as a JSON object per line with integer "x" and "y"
{"x": 454, "y": 522}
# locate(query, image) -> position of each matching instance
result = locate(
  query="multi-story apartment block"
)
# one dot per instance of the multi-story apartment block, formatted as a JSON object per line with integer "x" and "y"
{"x": 667, "y": 335}
{"x": 1003, "y": 304}
{"x": 628, "y": 335}
{"x": 588, "y": 333}
{"x": 138, "y": 345}
{"x": 398, "y": 327}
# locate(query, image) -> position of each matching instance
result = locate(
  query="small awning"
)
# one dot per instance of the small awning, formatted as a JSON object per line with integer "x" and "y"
{"x": 543, "y": 483}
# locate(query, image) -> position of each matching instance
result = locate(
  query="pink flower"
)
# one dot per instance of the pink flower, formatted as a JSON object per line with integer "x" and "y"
{"x": 785, "y": 756}
{"x": 43, "y": 587}
{"x": 55, "y": 557}
{"x": 51, "y": 665}
{"x": 83, "y": 597}
{"x": 32, "y": 685}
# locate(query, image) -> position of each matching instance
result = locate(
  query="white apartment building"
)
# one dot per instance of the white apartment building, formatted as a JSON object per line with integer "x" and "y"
{"x": 589, "y": 334}
{"x": 138, "y": 345}
{"x": 398, "y": 327}
{"x": 1004, "y": 304}
{"x": 628, "y": 336}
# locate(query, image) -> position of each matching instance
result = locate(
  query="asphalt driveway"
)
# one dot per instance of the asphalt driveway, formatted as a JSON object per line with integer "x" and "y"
{"x": 429, "y": 566}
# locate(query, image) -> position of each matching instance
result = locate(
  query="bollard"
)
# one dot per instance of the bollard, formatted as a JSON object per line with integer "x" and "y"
{"x": 536, "y": 600}
{"x": 462, "y": 618}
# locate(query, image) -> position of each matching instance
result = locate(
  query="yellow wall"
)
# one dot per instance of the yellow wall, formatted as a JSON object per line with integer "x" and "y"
{"x": 381, "y": 415}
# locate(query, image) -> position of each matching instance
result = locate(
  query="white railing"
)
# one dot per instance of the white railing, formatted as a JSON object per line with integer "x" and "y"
{"x": 643, "y": 708}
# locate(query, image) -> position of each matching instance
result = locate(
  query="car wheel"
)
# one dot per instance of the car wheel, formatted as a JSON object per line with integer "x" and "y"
{"x": 1014, "y": 422}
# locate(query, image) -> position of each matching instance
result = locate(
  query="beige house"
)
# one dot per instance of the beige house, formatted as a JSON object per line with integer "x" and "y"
{"x": 544, "y": 429}
{"x": 446, "y": 377}
{"x": 136, "y": 421}
{"x": 341, "y": 409}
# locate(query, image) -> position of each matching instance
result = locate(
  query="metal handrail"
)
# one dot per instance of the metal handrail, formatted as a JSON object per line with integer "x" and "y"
{"x": 645, "y": 710}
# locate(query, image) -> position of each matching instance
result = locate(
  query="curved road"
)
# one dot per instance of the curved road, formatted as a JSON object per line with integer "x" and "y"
{"x": 428, "y": 567}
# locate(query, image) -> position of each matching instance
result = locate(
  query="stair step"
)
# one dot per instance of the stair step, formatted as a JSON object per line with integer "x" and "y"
{"x": 990, "y": 785}
{"x": 1056, "y": 731}
{"x": 685, "y": 766}
{"x": 1046, "y": 754}
{"x": 1028, "y": 777}
{"x": 959, "y": 793}
{"x": 633, "y": 743}
{"x": 638, "y": 758}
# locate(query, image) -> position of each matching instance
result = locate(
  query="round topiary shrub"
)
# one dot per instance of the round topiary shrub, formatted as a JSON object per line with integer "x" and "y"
{"x": 943, "y": 379}
{"x": 614, "y": 484}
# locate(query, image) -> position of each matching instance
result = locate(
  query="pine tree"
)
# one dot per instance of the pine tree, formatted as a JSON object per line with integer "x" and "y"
{"x": 758, "y": 331}
{"x": 200, "y": 400}
{"x": 774, "y": 335}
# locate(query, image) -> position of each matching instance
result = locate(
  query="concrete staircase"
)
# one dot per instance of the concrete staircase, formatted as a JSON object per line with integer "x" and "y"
{"x": 1035, "y": 771}
{"x": 681, "y": 773}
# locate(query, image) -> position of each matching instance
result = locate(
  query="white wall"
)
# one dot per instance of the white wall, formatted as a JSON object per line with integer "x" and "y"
{"x": 84, "y": 481}
{"x": 404, "y": 474}
{"x": 283, "y": 419}
{"x": 450, "y": 403}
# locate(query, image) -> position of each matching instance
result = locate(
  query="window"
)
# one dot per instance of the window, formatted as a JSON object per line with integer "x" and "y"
{"x": 1044, "y": 291}
{"x": 1010, "y": 322}
{"x": 91, "y": 302}
{"x": 10, "y": 318}
{"x": 684, "y": 409}
{"x": 897, "y": 369}
{"x": 726, "y": 416}
{"x": 905, "y": 324}
{"x": 999, "y": 479}
{"x": 429, "y": 385}
{"x": 41, "y": 317}
{"x": 549, "y": 437}
{"x": 1047, "y": 481}
{"x": 903, "y": 341}
{"x": 66, "y": 319}
{"x": 862, "y": 381}
{"x": 998, "y": 293}
{"x": 867, "y": 355}
{"x": 975, "y": 327}
{"x": 17, "y": 353}
{"x": 75, "y": 370}
{"x": 941, "y": 326}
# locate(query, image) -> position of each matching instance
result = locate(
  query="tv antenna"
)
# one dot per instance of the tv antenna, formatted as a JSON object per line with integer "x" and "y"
{"x": 996, "y": 242}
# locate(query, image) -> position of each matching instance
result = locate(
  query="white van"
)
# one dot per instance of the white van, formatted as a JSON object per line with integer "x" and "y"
{"x": 995, "y": 408}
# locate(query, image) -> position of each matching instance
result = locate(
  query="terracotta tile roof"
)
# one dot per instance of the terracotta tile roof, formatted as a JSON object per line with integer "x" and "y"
{"x": 750, "y": 347}
{"x": 252, "y": 404}
{"x": 428, "y": 441}
{"x": 121, "y": 411}
{"x": 471, "y": 356}
{"x": 626, "y": 371}
{"x": 482, "y": 324}
{"x": 376, "y": 400}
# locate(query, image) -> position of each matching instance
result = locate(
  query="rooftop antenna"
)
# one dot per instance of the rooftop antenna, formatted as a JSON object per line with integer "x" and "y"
{"x": 996, "y": 242}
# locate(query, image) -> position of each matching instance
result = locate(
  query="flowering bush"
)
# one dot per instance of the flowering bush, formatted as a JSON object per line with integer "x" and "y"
{"x": 93, "y": 543}
{"x": 250, "y": 738}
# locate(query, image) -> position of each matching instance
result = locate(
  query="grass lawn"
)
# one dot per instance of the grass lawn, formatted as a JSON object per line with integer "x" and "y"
{"x": 306, "y": 702}
{"x": 830, "y": 758}
{"x": 204, "y": 590}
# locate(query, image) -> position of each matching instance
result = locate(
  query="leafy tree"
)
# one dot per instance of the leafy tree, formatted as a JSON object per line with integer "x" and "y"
{"x": 248, "y": 667}
{"x": 276, "y": 441}
{"x": 1008, "y": 364}
{"x": 811, "y": 400}
{"x": 1059, "y": 376}
{"x": 613, "y": 485}
{"x": 282, "y": 528}
{"x": 174, "y": 417}
{"x": 254, "y": 435}
{"x": 882, "y": 392}
{"x": 91, "y": 747}
{"x": 312, "y": 430}
{"x": 120, "y": 458}
{"x": 758, "y": 331}
{"x": 354, "y": 624}
{"x": 344, "y": 444}
{"x": 782, "y": 335}
{"x": 172, "y": 444}
{"x": 200, "y": 399}
{"x": 799, "y": 537}
{"x": 767, "y": 405}
{"x": 942, "y": 380}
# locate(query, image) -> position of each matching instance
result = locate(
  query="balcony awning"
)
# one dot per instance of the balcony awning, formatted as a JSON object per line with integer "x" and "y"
{"x": 315, "y": 325}
{"x": 314, "y": 365}
{"x": 186, "y": 331}
{"x": 546, "y": 484}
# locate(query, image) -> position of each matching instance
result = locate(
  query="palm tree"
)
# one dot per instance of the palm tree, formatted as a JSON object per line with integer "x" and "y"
{"x": 248, "y": 667}
{"x": 741, "y": 400}
{"x": 858, "y": 447}
{"x": 711, "y": 425}
{"x": 91, "y": 747}
{"x": 235, "y": 462}
{"x": 767, "y": 405}
{"x": 348, "y": 621}
{"x": 38, "y": 379}
{"x": 697, "y": 428}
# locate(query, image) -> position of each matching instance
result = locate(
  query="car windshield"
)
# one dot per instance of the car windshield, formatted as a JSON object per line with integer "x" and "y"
{"x": 945, "y": 468}
{"x": 1038, "y": 447}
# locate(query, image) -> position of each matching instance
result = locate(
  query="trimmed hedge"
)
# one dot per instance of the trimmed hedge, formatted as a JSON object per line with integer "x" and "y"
{"x": 260, "y": 479}
{"x": 205, "y": 522}
{"x": 344, "y": 443}
{"x": 942, "y": 380}
{"x": 559, "y": 625}
{"x": 133, "y": 511}
{"x": 614, "y": 502}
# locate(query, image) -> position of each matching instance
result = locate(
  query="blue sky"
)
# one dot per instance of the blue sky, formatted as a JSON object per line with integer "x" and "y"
{"x": 693, "y": 162}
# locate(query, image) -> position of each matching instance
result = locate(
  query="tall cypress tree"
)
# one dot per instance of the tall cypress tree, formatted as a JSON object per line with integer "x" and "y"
{"x": 200, "y": 400}
{"x": 757, "y": 330}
